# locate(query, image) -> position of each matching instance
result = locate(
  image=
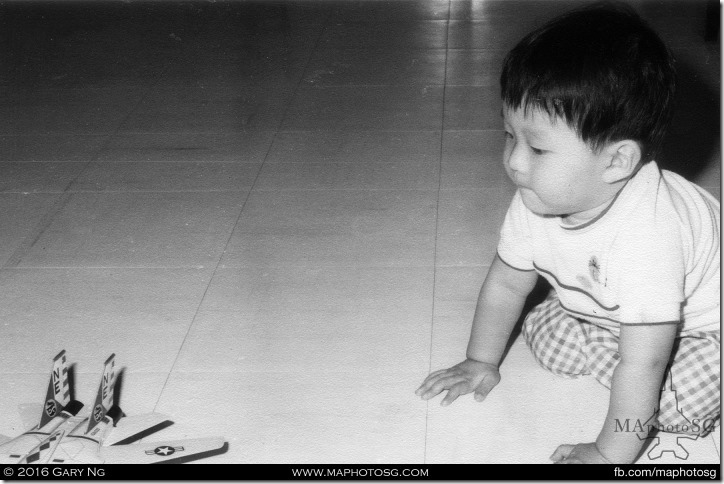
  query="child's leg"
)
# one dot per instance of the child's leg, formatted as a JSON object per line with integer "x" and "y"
{"x": 690, "y": 397}
{"x": 571, "y": 347}
{"x": 555, "y": 338}
{"x": 601, "y": 348}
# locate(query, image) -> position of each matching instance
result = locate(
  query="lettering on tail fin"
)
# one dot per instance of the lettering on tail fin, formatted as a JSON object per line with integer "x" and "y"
{"x": 104, "y": 399}
{"x": 58, "y": 395}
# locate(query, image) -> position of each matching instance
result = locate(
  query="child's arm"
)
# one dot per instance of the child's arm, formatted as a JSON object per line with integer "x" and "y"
{"x": 636, "y": 387}
{"x": 499, "y": 306}
{"x": 635, "y": 391}
{"x": 500, "y": 303}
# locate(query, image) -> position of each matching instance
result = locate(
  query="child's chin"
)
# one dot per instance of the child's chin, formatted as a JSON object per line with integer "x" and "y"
{"x": 533, "y": 204}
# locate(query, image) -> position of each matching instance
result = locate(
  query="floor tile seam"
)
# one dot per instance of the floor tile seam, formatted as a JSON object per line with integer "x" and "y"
{"x": 474, "y": 130}
{"x": 78, "y": 162}
{"x": 321, "y": 161}
{"x": 381, "y": 161}
{"x": 47, "y": 219}
{"x": 416, "y": 84}
{"x": 289, "y": 102}
{"x": 96, "y": 154}
{"x": 32, "y": 192}
{"x": 219, "y": 133}
{"x": 243, "y": 189}
{"x": 29, "y": 268}
{"x": 335, "y": 370}
{"x": 498, "y": 50}
{"x": 31, "y": 132}
{"x": 34, "y": 235}
{"x": 50, "y": 134}
{"x": 248, "y": 188}
{"x": 40, "y": 90}
{"x": 361, "y": 189}
{"x": 378, "y": 21}
{"x": 346, "y": 130}
{"x": 363, "y": 129}
{"x": 330, "y": 267}
{"x": 376, "y": 50}
{"x": 430, "y": 350}
{"x": 494, "y": 87}
{"x": 224, "y": 266}
{"x": 281, "y": 130}
{"x": 131, "y": 112}
{"x": 321, "y": 87}
{"x": 486, "y": 20}
{"x": 501, "y": 187}
{"x": 154, "y": 161}
{"x": 93, "y": 86}
{"x": 717, "y": 443}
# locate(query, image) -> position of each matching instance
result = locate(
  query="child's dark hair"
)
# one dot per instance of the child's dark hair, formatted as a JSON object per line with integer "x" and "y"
{"x": 602, "y": 70}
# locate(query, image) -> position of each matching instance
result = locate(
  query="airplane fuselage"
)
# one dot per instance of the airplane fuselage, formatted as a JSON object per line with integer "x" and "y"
{"x": 75, "y": 446}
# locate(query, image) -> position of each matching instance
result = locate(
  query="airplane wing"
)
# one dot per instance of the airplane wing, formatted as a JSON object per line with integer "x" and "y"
{"x": 5, "y": 438}
{"x": 157, "y": 452}
{"x": 129, "y": 427}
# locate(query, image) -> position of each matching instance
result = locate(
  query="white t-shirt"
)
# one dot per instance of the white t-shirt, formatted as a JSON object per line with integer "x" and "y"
{"x": 651, "y": 257}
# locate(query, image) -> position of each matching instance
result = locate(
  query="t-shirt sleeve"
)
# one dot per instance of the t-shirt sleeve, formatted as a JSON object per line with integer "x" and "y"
{"x": 652, "y": 277}
{"x": 515, "y": 248}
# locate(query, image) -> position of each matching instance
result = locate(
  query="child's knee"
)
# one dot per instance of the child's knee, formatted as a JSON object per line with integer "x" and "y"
{"x": 556, "y": 340}
{"x": 698, "y": 417}
{"x": 690, "y": 398}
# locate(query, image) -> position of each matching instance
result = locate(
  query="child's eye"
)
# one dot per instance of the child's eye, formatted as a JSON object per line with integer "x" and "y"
{"x": 537, "y": 151}
{"x": 508, "y": 135}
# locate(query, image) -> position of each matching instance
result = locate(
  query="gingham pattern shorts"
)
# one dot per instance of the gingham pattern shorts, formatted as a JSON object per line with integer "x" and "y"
{"x": 572, "y": 347}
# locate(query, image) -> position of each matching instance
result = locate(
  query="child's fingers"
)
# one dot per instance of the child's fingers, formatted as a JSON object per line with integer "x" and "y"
{"x": 431, "y": 379}
{"x": 437, "y": 373}
{"x": 442, "y": 383}
{"x": 562, "y": 452}
{"x": 485, "y": 386}
{"x": 454, "y": 392}
{"x": 434, "y": 378}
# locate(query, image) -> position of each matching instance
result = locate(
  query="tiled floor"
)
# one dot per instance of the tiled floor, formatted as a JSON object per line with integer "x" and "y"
{"x": 278, "y": 215}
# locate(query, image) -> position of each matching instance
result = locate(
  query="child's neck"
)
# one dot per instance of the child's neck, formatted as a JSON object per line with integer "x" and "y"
{"x": 580, "y": 218}
{"x": 587, "y": 215}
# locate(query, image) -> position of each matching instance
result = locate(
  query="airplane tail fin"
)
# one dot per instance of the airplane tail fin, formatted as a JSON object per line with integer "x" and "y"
{"x": 58, "y": 395}
{"x": 104, "y": 399}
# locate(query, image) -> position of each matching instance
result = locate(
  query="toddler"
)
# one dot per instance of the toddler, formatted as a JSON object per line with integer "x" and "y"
{"x": 631, "y": 251}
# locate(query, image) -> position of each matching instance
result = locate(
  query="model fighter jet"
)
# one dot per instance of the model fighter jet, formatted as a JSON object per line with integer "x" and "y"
{"x": 63, "y": 437}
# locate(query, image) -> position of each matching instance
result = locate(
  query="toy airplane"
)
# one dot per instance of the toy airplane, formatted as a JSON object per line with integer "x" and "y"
{"x": 62, "y": 437}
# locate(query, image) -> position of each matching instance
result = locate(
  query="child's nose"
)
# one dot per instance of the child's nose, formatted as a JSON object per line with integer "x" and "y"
{"x": 516, "y": 159}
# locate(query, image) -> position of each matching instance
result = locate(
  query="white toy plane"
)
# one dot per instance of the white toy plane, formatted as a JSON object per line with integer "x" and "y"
{"x": 57, "y": 409}
{"x": 68, "y": 439}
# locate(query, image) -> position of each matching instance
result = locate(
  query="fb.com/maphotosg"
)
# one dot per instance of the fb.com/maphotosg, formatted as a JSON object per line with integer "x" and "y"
{"x": 667, "y": 473}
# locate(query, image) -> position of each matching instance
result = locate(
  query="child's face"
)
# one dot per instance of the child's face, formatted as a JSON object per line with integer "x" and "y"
{"x": 555, "y": 171}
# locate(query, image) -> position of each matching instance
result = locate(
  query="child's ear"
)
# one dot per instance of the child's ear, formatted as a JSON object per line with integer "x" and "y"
{"x": 624, "y": 158}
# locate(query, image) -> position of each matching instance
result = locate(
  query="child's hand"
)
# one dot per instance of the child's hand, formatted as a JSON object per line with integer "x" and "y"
{"x": 465, "y": 377}
{"x": 578, "y": 454}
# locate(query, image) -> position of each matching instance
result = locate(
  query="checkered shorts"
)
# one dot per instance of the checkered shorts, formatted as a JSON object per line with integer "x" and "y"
{"x": 572, "y": 347}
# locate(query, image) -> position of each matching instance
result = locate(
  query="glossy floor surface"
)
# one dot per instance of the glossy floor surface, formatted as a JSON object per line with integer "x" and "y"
{"x": 278, "y": 215}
